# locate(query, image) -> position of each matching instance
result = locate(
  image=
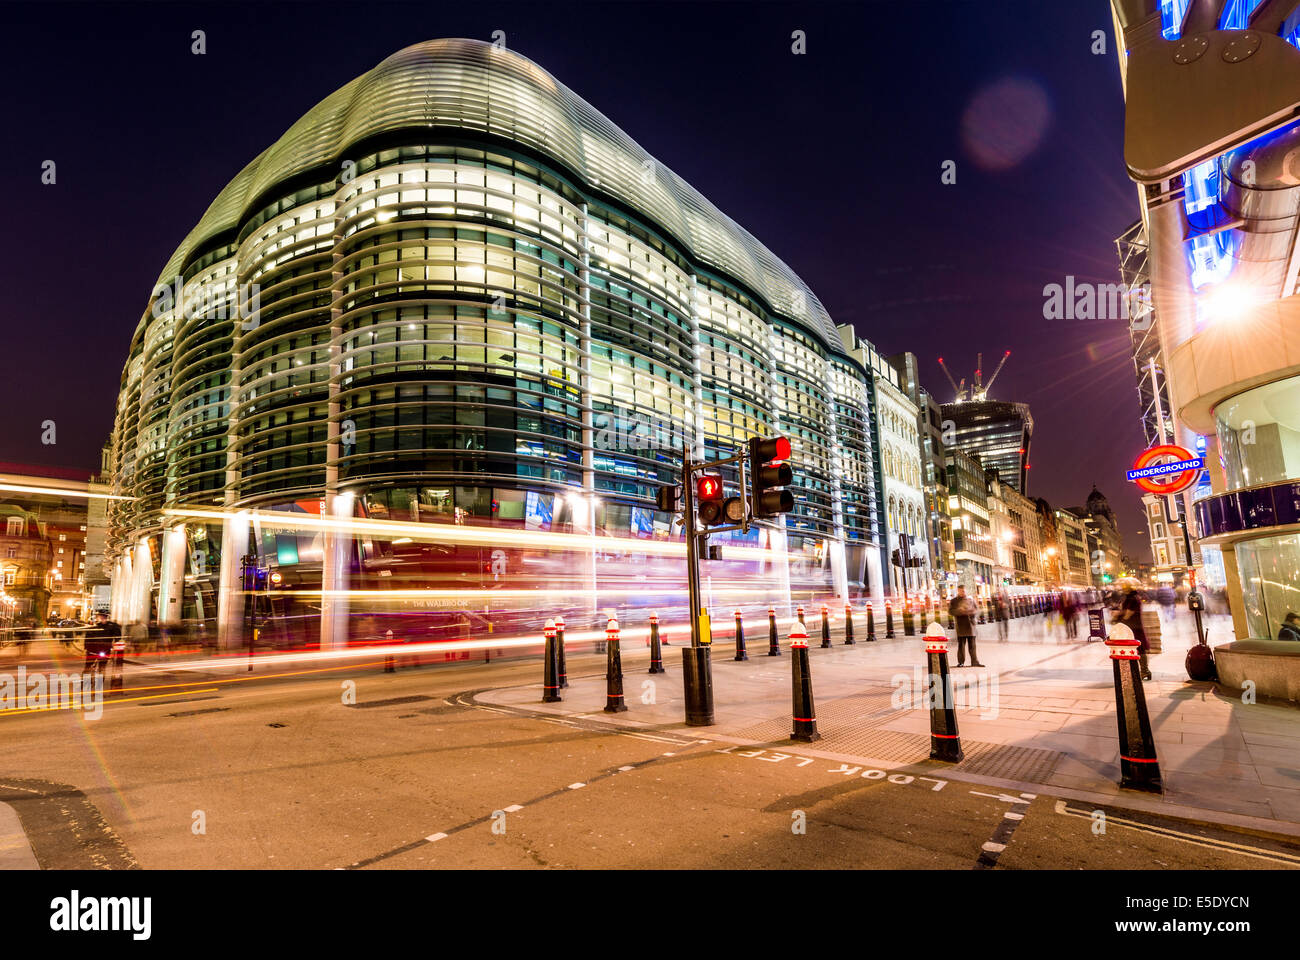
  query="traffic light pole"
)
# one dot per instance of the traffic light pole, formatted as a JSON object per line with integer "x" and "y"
{"x": 692, "y": 547}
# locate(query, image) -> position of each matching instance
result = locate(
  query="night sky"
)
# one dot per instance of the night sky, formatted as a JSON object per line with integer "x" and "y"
{"x": 833, "y": 159}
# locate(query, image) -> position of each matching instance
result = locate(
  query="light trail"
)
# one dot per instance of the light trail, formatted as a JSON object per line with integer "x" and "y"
{"x": 461, "y": 535}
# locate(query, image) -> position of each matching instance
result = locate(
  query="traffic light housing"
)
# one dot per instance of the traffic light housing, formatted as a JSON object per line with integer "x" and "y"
{"x": 666, "y": 497}
{"x": 768, "y": 475}
{"x": 708, "y": 499}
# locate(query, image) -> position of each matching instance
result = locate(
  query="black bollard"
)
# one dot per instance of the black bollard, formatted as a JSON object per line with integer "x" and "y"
{"x": 559, "y": 646}
{"x": 871, "y": 621}
{"x": 826, "y": 627}
{"x": 741, "y": 652}
{"x": 1138, "y": 767}
{"x": 551, "y": 668}
{"x": 656, "y": 654}
{"x": 979, "y": 605}
{"x": 945, "y": 742}
{"x": 613, "y": 670}
{"x": 848, "y": 625}
{"x": 697, "y": 678}
{"x": 773, "y": 644}
{"x": 805, "y": 714}
{"x": 889, "y": 621}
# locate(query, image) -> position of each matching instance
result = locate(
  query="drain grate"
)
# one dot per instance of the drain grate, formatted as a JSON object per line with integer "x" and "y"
{"x": 866, "y": 710}
{"x": 851, "y": 729}
{"x": 392, "y": 702}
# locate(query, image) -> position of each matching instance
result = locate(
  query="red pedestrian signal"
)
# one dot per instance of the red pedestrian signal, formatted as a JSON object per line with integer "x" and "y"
{"x": 708, "y": 496}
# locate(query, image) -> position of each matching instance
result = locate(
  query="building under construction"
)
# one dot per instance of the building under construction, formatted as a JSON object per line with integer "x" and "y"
{"x": 998, "y": 432}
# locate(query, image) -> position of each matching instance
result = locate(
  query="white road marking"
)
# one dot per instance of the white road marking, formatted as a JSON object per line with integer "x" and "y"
{"x": 624, "y": 769}
{"x": 992, "y": 847}
{"x": 999, "y": 796}
{"x": 1208, "y": 842}
{"x": 576, "y": 786}
{"x": 669, "y": 754}
{"x": 434, "y": 838}
{"x": 1013, "y": 816}
{"x": 514, "y": 807}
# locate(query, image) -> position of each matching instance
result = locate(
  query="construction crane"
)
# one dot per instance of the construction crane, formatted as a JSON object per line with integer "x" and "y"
{"x": 979, "y": 390}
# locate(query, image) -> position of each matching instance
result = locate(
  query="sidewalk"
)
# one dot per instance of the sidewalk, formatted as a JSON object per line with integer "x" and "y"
{"x": 1042, "y": 715}
{"x": 15, "y": 851}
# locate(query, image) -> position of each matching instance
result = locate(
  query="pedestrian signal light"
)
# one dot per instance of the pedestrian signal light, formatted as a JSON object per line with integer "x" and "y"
{"x": 708, "y": 493}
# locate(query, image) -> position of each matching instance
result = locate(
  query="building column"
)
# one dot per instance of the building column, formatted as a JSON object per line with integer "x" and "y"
{"x": 1236, "y": 596}
{"x": 588, "y": 418}
{"x": 839, "y": 570}
{"x": 141, "y": 582}
{"x": 336, "y": 567}
{"x": 230, "y": 588}
{"x": 118, "y": 600}
{"x": 875, "y": 579}
{"x": 171, "y": 585}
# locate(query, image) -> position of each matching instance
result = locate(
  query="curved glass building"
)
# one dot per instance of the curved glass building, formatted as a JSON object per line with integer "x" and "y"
{"x": 455, "y": 292}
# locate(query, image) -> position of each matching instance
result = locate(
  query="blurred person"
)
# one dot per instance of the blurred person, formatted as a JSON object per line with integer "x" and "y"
{"x": 1290, "y": 629}
{"x": 1070, "y": 614}
{"x": 1000, "y": 614}
{"x": 100, "y": 640}
{"x": 1129, "y": 613}
{"x": 962, "y": 609}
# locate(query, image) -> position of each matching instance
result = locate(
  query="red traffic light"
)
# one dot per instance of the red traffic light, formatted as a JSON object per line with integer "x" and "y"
{"x": 708, "y": 487}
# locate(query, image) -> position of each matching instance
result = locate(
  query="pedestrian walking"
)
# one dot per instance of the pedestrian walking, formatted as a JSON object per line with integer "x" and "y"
{"x": 1070, "y": 613}
{"x": 100, "y": 641}
{"x": 1000, "y": 614}
{"x": 962, "y": 609}
{"x": 1290, "y": 629}
{"x": 1130, "y": 614}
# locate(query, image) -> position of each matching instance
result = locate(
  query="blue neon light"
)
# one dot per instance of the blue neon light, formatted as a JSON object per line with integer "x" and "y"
{"x": 1209, "y": 257}
{"x": 1291, "y": 29}
{"x": 1171, "y": 17}
{"x": 1212, "y": 258}
{"x": 1236, "y": 14}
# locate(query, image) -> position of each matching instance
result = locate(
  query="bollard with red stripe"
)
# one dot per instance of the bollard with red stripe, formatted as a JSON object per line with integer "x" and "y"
{"x": 909, "y": 619}
{"x": 826, "y": 627}
{"x": 799, "y": 616}
{"x": 945, "y": 742}
{"x": 848, "y": 624}
{"x": 889, "y": 620}
{"x": 559, "y": 646}
{"x": 613, "y": 670}
{"x": 656, "y": 654}
{"x": 805, "y": 714}
{"x": 773, "y": 643}
{"x": 1138, "y": 767}
{"x": 741, "y": 652}
{"x": 551, "y": 670}
{"x": 871, "y": 621}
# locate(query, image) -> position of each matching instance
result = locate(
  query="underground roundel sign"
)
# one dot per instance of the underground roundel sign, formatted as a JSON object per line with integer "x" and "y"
{"x": 1166, "y": 468}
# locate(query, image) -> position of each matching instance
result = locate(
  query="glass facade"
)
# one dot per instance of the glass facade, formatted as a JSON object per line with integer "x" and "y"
{"x": 1269, "y": 569}
{"x": 1259, "y": 435}
{"x": 431, "y": 302}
